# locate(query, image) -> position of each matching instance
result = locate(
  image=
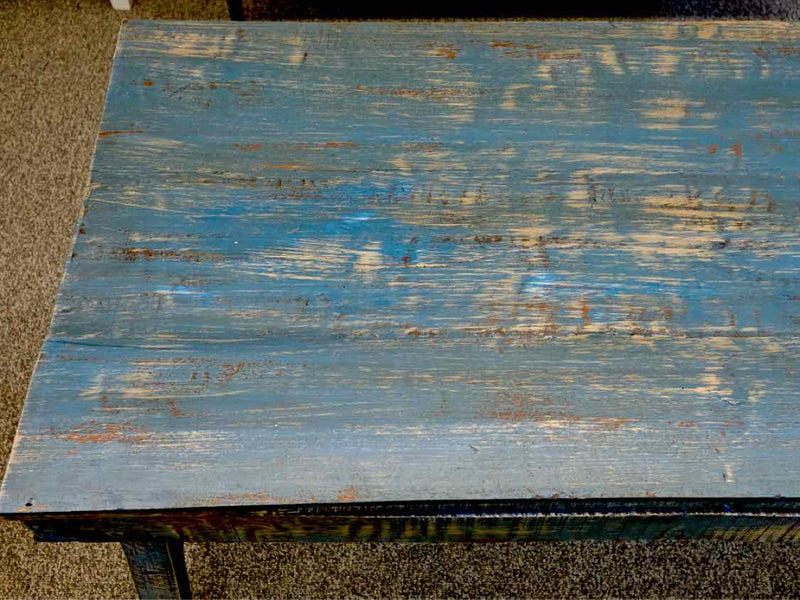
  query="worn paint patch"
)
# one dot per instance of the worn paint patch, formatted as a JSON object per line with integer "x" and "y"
{"x": 119, "y": 132}
{"x": 101, "y": 433}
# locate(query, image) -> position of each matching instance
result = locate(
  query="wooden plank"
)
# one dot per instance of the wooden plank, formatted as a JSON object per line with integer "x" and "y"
{"x": 495, "y": 521}
{"x": 338, "y": 262}
{"x": 158, "y": 569}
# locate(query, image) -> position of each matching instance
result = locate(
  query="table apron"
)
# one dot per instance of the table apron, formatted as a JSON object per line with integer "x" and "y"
{"x": 251, "y": 527}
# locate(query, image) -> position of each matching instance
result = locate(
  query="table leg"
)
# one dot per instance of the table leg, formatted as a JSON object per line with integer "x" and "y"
{"x": 236, "y": 10}
{"x": 158, "y": 569}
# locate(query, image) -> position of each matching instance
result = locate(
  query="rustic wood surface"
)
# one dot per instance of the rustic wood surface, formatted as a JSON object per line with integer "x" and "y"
{"x": 158, "y": 569}
{"x": 763, "y": 520}
{"x": 367, "y": 262}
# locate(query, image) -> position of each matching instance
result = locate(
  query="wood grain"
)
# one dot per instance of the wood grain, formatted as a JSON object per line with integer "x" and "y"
{"x": 753, "y": 520}
{"x": 343, "y": 262}
{"x": 158, "y": 569}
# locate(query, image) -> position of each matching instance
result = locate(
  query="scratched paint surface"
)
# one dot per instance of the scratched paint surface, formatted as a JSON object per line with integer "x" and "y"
{"x": 338, "y": 262}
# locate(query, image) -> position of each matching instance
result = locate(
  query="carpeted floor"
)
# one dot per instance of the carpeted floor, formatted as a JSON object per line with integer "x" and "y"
{"x": 55, "y": 57}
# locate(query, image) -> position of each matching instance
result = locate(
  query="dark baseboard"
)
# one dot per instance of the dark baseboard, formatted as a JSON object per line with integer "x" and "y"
{"x": 503, "y": 9}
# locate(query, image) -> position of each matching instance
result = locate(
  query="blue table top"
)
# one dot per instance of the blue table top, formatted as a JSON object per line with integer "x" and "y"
{"x": 336, "y": 262}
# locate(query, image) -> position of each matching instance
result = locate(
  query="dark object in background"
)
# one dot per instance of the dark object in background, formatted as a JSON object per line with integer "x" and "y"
{"x": 504, "y": 9}
{"x": 236, "y": 10}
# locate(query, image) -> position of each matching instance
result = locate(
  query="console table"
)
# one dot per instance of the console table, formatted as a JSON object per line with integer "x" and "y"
{"x": 468, "y": 281}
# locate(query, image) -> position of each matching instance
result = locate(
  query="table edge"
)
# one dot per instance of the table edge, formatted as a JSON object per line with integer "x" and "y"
{"x": 748, "y": 519}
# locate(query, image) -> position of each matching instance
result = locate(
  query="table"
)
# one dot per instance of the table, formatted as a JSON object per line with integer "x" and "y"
{"x": 467, "y": 281}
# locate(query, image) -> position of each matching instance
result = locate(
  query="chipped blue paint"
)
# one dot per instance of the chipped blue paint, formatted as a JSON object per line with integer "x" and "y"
{"x": 396, "y": 262}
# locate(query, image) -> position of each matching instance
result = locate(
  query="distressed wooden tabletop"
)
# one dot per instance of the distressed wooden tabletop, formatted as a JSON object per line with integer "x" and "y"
{"x": 400, "y": 261}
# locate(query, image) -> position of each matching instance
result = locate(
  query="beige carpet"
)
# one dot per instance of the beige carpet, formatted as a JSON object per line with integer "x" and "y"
{"x": 55, "y": 57}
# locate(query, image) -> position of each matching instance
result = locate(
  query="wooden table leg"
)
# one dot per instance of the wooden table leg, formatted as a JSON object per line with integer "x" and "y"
{"x": 158, "y": 569}
{"x": 236, "y": 10}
